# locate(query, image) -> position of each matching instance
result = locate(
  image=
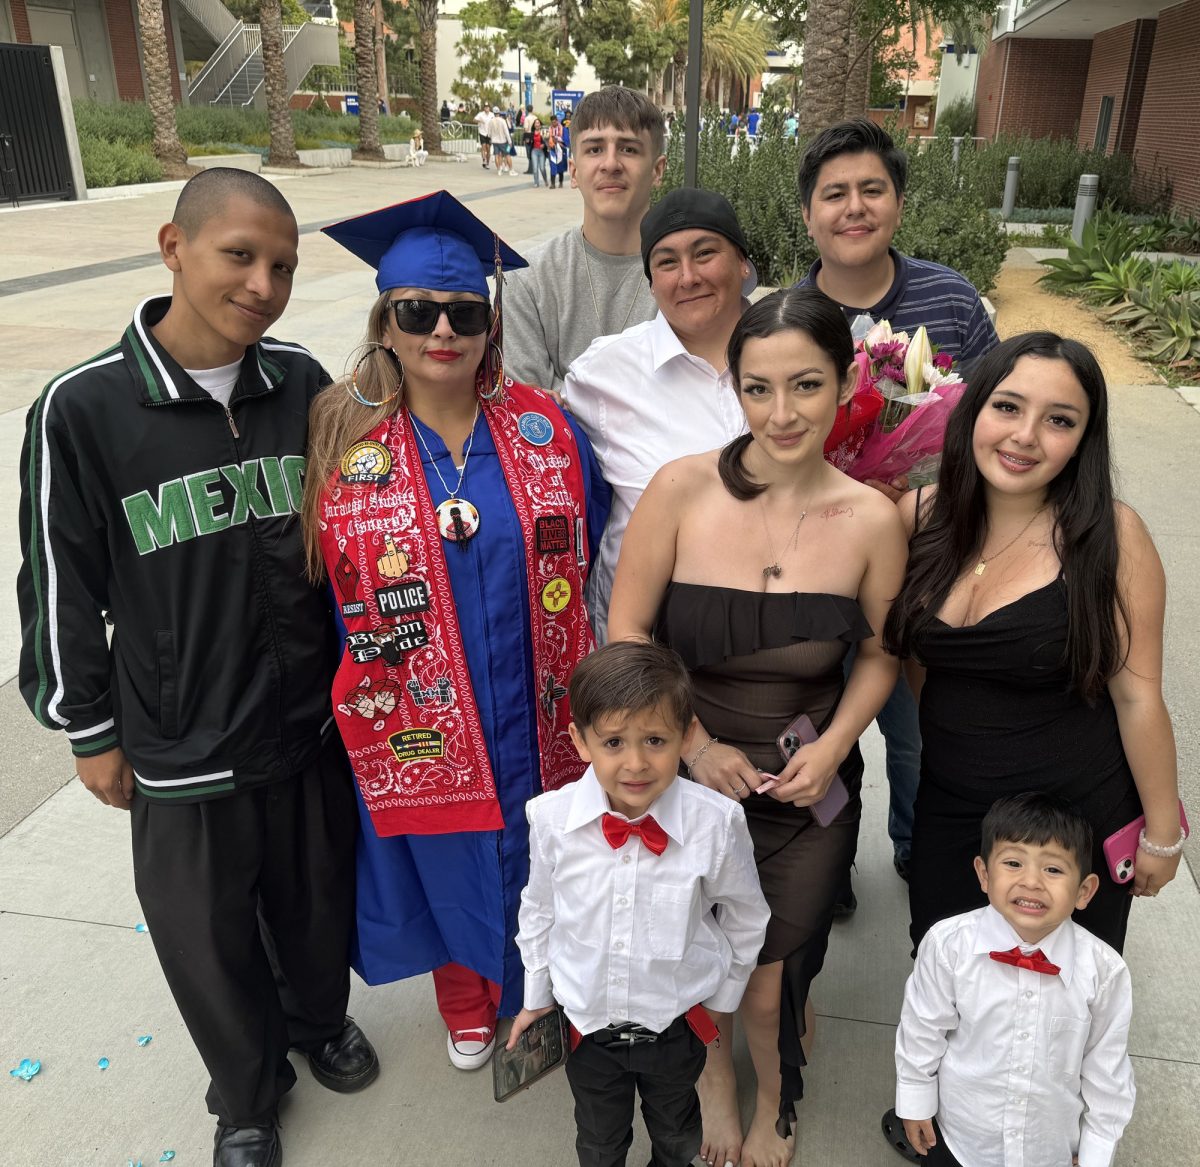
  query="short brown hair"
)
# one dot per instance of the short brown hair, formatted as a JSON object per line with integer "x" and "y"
{"x": 629, "y": 675}
{"x": 623, "y": 109}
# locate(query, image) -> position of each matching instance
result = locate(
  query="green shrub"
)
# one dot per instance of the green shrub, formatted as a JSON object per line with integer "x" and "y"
{"x": 957, "y": 120}
{"x": 944, "y": 220}
{"x": 126, "y": 121}
{"x": 1050, "y": 171}
{"x": 115, "y": 163}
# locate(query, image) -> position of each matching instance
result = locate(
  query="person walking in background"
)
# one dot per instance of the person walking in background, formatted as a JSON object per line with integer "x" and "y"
{"x": 483, "y": 123}
{"x": 527, "y": 119}
{"x": 556, "y": 152}
{"x": 501, "y": 139}
{"x": 535, "y": 144}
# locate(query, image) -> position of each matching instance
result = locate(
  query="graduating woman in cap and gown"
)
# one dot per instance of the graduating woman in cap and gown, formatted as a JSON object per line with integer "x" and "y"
{"x": 454, "y": 512}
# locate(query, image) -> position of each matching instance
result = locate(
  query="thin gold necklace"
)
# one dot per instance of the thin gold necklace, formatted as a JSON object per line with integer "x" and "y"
{"x": 587, "y": 266}
{"x": 984, "y": 560}
{"x": 774, "y": 570}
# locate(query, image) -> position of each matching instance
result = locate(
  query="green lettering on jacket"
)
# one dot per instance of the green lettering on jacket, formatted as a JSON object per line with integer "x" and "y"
{"x": 199, "y": 503}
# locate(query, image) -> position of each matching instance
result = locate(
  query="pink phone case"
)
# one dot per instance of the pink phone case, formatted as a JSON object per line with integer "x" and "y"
{"x": 1120, "y": 848}
{"x": 800, "y": 733}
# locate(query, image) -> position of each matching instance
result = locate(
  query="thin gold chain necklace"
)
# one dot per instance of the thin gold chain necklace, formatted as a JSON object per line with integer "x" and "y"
{"x": 984, "y": 560}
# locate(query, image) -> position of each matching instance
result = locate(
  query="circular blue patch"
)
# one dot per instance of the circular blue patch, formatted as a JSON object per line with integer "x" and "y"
{"x": 535, "y": 428}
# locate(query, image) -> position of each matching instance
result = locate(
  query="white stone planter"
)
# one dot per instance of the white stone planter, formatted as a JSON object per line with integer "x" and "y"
{"x": 331, "y": 157}
{"x": 252, "y": 162}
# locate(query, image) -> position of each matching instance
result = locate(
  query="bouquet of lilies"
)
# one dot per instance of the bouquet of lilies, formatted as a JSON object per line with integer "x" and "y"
{"x": 896, "y": 420}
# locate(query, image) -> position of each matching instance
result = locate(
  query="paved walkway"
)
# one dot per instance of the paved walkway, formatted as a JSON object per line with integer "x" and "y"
{"x": 78, "y": 982}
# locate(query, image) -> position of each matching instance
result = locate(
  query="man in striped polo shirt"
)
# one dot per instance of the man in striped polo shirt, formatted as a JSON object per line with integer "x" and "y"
{"x": 852, "y": 178}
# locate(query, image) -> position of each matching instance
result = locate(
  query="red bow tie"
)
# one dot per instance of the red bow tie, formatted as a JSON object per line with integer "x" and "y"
{"x": 1036, "y": 961}
{"x": 617, "y": 832}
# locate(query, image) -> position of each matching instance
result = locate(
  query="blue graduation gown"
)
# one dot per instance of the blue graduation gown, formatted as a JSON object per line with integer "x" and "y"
{"x": 427, "y": 900}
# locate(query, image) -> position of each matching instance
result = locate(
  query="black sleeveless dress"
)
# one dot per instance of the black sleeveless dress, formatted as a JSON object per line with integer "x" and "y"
{"x": 758, "y": 660}
{"x": 999, "y": 716}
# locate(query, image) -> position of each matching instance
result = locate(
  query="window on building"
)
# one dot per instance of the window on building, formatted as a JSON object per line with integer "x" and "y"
{"x": 1103, "y": 122}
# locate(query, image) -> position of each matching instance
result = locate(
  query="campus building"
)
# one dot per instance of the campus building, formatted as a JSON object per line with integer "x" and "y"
{"x": 1117, "y": 75}
{"x": 101, "y": 44}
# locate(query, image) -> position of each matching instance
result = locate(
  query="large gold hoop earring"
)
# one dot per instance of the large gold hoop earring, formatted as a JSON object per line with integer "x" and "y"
{"x": 353, "y": 388}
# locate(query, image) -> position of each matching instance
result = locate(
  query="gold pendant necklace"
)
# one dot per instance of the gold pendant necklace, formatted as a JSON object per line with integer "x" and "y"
{"x": 984, "y": 560}
{"x": 774, "y": 570}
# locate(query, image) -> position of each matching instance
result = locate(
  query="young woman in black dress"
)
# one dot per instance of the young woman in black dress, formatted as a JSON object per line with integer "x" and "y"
{"x": 1033, "y": 610}
{"x": 761, "y": 565}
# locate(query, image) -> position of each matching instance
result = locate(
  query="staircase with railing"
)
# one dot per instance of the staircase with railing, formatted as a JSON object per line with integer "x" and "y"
{"x": 233, "y": 75}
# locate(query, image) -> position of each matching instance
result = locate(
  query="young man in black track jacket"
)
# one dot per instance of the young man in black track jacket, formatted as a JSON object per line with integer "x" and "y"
{"x": 161, "y": 482}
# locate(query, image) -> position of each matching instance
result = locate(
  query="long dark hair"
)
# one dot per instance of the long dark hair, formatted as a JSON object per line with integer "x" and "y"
{"x": 799, "y": 309}
{"x": 1081, "y": 500}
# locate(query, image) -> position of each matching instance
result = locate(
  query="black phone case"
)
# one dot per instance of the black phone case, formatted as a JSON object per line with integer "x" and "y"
{"x": 543, "y": 1048}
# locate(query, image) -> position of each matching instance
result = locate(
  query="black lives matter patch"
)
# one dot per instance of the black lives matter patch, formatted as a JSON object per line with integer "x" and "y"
{"x": 552, "y": 534}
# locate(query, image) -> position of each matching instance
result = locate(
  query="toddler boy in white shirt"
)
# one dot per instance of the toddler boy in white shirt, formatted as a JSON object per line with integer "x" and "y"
{"x": 643, "y": 908}
{"x": 1016, "y": 1020}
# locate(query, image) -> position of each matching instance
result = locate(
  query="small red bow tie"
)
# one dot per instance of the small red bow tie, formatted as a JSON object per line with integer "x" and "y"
{"x": 1036, "y": 961}
{"x": 617, "y": 832}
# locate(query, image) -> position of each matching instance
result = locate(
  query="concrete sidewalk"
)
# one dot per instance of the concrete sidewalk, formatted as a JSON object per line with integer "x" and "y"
{"x": 78, "y": 982}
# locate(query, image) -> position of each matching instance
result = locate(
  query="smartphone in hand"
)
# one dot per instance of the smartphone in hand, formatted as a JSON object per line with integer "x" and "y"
{"x": 802, "y": 732}
{"x": 541, "y": 1048}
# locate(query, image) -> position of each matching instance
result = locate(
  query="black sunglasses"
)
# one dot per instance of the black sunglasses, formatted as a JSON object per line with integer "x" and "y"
{"x": 420, "y": 317}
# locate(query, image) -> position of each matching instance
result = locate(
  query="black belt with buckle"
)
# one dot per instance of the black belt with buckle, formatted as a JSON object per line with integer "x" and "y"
{"x": 631, "y": 1034}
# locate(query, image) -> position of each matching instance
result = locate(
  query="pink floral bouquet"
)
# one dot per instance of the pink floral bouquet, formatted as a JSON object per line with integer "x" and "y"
{"x": 897, "y": 418}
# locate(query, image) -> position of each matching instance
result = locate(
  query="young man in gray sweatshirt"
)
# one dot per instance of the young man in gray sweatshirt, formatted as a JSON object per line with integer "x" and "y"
{"x": 588, "y": 282}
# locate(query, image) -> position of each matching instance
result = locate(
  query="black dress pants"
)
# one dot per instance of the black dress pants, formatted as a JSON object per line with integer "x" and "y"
{"x": 664, "y": 1073}
{"x": 250, "y": 900}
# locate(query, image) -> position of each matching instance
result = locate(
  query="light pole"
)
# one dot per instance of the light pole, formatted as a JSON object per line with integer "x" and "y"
{"x": 691, "y": 95}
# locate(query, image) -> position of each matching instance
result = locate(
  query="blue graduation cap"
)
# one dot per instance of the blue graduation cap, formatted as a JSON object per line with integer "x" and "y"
{"x": 432, "y": 242}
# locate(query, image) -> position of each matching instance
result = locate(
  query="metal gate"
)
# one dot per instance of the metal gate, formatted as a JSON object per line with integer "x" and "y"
{"x": 33, "y": 143}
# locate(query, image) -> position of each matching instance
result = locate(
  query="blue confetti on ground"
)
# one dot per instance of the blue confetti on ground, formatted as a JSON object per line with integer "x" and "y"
{"x": 103, "y": 1063}
{"x": 166, "y": 1156}
{"x": 140, "y": 928}
{"x": 145, "y": 1039}
{"x": 26, "y": 1070}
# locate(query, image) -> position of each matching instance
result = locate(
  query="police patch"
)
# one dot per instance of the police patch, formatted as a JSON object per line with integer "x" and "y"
{"x": 406, "y": 597}
{"x": 366, "y": 462}
{"x": 552, "y": 534}
{"x": 535, "y": 428}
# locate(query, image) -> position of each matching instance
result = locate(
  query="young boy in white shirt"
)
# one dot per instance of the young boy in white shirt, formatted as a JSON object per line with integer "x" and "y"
{"x": 617, "y": 922}
{"x": 1016, "y": 1020}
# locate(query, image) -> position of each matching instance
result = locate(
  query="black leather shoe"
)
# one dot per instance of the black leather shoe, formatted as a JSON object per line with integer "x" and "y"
{"x": 247, "y": 1146}
{"x": 345, "y": 1063}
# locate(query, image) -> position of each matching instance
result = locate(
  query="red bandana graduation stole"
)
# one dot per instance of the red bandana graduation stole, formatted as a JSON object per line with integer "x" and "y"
{"x": 402, "y": 694}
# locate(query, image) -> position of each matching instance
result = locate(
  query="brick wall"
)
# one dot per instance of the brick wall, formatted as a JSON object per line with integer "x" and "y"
{"x": 1108, "y": 76}
{"x": 122, "y": 36}
{"x": 20, "y": 21}
{"x": 1120, "y": 62}
{"x": 1169, "y": 127}
{"x": 1032, "y": 87}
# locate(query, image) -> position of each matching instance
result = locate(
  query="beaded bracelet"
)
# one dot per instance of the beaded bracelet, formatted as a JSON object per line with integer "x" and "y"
{"x": 712, "y": 741}
{"x": 1159, "y": 852}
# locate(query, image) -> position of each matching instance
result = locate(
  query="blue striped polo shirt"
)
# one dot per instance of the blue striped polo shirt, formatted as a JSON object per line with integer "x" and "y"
{"x": 938, "y": 297}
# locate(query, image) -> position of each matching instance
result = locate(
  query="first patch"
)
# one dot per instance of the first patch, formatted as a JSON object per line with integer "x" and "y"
{"x": 552, "y": 533}
{"x": 366, "y": 462}
{"x": 535, "y": 428}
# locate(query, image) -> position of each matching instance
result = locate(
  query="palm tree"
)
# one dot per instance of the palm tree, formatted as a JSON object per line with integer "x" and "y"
{"x": 168, "y": 149}
{"x": 368, "y": 89}
{"x": 735, "y": 49}
{"x": 826, "y": 55}
{"x": 668, "y": 19}
{"x": 431, "y": 127}
{"x": 279, "y": 114}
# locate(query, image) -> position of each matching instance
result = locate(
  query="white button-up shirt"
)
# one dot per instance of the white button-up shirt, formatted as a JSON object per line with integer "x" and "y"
{"x": 627, "y": 935}
{"x": 644, "y": 400}
{"x": 1008, "y": 1059}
